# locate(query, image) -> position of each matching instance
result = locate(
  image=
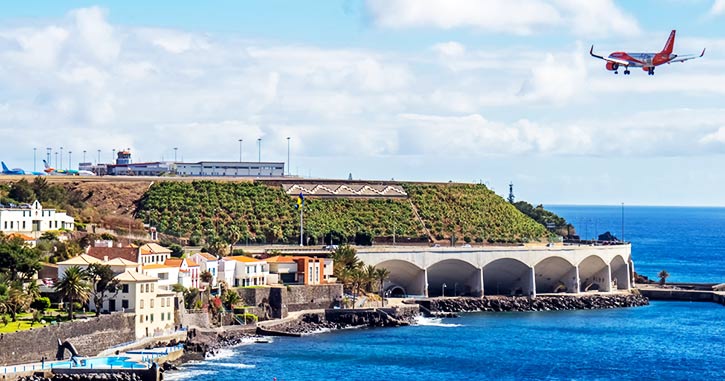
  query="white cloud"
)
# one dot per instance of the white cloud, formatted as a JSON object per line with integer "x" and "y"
{"x": 718, "y": 8}
{"x": 450, "y": 48}
{"x": 521, "y": 17}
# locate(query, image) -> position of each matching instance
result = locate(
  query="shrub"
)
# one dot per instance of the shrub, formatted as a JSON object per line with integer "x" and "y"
{"x": 40, "y": 304}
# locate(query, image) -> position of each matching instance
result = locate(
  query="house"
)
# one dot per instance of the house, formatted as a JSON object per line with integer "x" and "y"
{"x": 188, "y": 271}
{"x": 168, "y": 275}
{"x": 153, "y": 253}
{"x": 153, "y": 306}
{"x": 301, "y": 270}
{"x": 208, "y": 262}
{"x": 29, "y": 241}
{"x": 118, "y": 265}
{"x": 127, "y": 253}
{"x": 248, "y": 271}
{"x": 33, "y": 220}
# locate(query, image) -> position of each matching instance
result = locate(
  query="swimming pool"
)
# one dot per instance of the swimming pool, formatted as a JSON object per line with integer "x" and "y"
{"x": 113, "y": 362}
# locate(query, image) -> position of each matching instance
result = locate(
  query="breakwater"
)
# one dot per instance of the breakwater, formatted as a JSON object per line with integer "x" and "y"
{"x": 684, "y": 295}
{"x": 540, "y": 303}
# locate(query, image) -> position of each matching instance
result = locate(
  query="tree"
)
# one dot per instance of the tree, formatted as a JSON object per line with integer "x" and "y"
{"x": 206, "y": 277}
{"x": 73, "y": 287}
{"x": 40, "y": 304}
{"x": 14, "y": 300}
{"x": 176, "y": 250}
{"x": 370, "y": 277}
{"x": 663, "y": 277}
{"x": 21, "y": 191}
{"x": 103, "y": 281}
{"x": 382, "y": 274}
{"x": 358, "y": 278}
{"x": 17, "y": 260}
{"x": 230, "y": 298}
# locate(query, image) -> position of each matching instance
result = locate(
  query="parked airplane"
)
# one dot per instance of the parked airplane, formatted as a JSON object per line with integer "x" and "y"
{"x": 647, "y": 61}
{"x": 65, "y": 172}
{"x": 18, "y": 171}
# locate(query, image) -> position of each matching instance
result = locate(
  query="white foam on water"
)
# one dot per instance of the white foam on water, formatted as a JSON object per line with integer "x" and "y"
{"x": 183, "y": 374}
{"x": 222, "y": 353}
{"x": 435, "y": 322}
{"x": 237, "y": 366}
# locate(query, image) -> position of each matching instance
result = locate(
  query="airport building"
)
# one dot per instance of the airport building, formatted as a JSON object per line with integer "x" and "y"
{"x": 230, "y": 169}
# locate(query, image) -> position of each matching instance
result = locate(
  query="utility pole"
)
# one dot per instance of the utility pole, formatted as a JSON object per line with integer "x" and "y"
{"x": 240, "y": 149}
{"x": 99, "y": 158}
{"x": 511, "y": 193}
{"x": 84, "y": 156}
{"x": 259, "y": 150}
{"x": 175, "y": 150}
{"x": 69, "y": 159}
{"x": 56, "y": 159}
{"x": 300, "y": 205}
{"x": 288, "y": 164}
{"x": 61, "y": 157}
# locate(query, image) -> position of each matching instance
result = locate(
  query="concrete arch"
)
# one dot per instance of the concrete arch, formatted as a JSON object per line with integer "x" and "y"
{"x": 620, "y": 273}
{"x": 508, "y": 276}
{"x": 459, "y": 277}
{"x": 554, "y": 275}
{"x": 594, "y": 274}
{"x": 404, "y": 275}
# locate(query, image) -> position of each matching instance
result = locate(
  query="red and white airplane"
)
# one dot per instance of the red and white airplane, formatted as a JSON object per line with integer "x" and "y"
{"x": 647, "y": 61}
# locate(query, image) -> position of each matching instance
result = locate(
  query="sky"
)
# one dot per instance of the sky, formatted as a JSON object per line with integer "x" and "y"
{"x": 493, "y": 92}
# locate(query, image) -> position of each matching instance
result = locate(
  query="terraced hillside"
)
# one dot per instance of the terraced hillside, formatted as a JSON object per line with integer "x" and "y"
{"x": 257, "y": 212}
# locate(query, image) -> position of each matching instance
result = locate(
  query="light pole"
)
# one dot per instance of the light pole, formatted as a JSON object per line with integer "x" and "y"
{"x": 48, "y": 150}
{"x": 113, "y": 156}
{"x": 288, "y": 164}
{"x": 176, "y": 149}
{"x": 61, "y": 157}
{"x": 35, "y": 161}
{"x": 240, "y": 149}
{"x": 259, "y": 150}
{"x": 56, "y": 159}
{"x": 623, "y": 223}
{"x": 443, "y": 290}
{"x": 69, "y": 156}
{"x": 84, "y": 156}
{"x": 99, "y": 158}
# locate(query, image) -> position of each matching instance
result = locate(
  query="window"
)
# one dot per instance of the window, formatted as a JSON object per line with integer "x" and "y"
{"x": 151, "y": 304}
{"x": 168, "y": 316}
{"x": 140, "y": 318}
{"x": 152, "y": 318}
{"x": 124, "y": 303}
{"x": 162, "y": 317}
{"x": 140, "y": 306}
{"x": 163, "y": 302}
{"x": 147, "y": 287}
{"x": 152, "y": 287}
{"x": 124, "y": 290}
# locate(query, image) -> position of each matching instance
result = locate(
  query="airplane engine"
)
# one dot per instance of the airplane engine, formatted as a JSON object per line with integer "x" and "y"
{"x": 612, "y": 66}
{"x": 645, "y": 69}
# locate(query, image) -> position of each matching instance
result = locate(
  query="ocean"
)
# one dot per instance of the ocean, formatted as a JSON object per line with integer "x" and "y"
{"x": 662, "y": 341}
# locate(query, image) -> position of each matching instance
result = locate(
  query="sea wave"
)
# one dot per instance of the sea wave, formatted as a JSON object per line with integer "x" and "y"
{"x": 436, "y": 322}
{"x": 235, "y": 365}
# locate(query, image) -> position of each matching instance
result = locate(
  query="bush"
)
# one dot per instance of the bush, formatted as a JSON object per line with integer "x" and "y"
{"x": 40, "y": 304}
{"x": 248, "y": 317}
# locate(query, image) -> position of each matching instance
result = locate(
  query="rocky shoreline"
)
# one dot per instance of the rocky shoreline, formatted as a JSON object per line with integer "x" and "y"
{"x": 539, "y": 303}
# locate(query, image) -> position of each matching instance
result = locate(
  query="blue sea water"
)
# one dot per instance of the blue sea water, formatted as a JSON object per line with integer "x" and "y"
{"x": 663, "y": 341}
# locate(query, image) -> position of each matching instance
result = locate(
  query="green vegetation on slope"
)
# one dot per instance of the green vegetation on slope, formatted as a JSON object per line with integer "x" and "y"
{"x": 471, "y": 212}
{"x": 231, "y": 212}
{"x": 546, "y": 218}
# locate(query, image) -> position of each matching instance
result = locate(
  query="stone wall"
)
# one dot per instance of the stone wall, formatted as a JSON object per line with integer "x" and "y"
{"x": 88, "y": 336}
{"x": 197, "y": 319}
{"x": 276, "y": 302}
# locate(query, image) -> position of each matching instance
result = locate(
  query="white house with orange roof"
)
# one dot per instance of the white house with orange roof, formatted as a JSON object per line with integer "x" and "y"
{"x": 28, "y": 240}
{"x": 167, "y": 274}
{"x": 282, "y": 269}
{"x": 210, "y": 263}
{"x": 118, "y": 265}
{"x": 188, "y": 271}
{"x": 153, "y": 253}
{"x": 248, "y": 271}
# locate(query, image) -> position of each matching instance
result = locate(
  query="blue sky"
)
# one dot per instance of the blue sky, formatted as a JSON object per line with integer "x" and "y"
{"x": 437, "y": 90}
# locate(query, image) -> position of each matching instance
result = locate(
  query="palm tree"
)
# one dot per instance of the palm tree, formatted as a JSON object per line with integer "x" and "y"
{"x": 381, "y": 275}
{"x": 358, "y": 279}
{"x": 370, "y": 277}
{"x": 663, "y": 277}
{"x": 73, "y": 287}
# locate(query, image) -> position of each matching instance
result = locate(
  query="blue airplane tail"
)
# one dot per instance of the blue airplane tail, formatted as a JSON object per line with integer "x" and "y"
{"x": 5, "y": 167}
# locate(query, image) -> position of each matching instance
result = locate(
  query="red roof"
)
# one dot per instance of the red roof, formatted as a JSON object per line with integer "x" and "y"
{"x": 127, "y": 253}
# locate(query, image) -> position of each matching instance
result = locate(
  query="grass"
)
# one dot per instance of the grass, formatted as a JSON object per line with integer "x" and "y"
{"x": 24, "y": 320}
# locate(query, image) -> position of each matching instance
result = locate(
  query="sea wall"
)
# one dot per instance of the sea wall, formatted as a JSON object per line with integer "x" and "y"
{"x": 540, "y": 303}
{"x": 341, "y": 319}
{"x": 276, "y": 302}
{"x": 683, "y": 295}
{"x": 88, "y": 336}
{"x": 196, "y": 319}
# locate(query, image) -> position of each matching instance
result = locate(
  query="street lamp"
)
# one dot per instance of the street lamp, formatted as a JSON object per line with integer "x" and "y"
{"x": 84, "y": 156}
{"x": 34, "y": 159}
{"x": 175, "y": 150}
{"x": 443, "y": 290}
{"x": 61, "y": 157}
{"x": 259, "y": 150}
{"x": 56, "y": 159}
{"x": 113, "y": 156}
{"x": 240, "y": 149}
{"x": 69, "y": 158}
{"x": 288, "y": 164}
{"x": 99, "y": 158}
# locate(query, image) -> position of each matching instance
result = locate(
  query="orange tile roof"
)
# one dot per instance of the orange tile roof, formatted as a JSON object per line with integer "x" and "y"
{"x": 191, "y": 263}
{"x": 208, "y": 256}
{"x": 280, "y": 259}
{"x": 243, "y": 258}
{"x": 157, "y": 266}
{"x": 174, "y": 262}
{"x": 127, "y": 253}
{"x": 22, "y": 236}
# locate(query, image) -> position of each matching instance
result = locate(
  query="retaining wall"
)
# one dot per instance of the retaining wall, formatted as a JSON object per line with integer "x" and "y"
{"x": 282, "y": 300}
{"x": 88, "y": 336}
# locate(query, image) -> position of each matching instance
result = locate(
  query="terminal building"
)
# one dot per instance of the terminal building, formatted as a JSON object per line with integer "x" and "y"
{"x": 230, "y": 169}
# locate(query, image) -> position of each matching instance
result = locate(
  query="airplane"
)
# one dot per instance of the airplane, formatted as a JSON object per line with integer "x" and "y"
{"x": 18, "y": 171}
{"x": 647, "y": 61}
{"x": 65, "y": 172}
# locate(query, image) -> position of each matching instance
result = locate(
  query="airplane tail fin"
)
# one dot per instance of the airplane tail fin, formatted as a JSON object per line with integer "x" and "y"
{"x": 5, "y": 167}
{"x": 45, "y": 164}
{"x": 670, "y": 44}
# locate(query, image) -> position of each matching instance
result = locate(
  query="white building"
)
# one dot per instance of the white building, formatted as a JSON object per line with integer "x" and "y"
{"x": 140, "y": 294}
{"x": 33, "y": 220}
{"x": 168, "y": 275}
{"x": 118, "y": 265}
{"x": 188, "y": 271}
{"x": 248, "y": 271}
{"x": 153, "y": 253}
{"x": 208, "y": 262}
{"x": 231, "y": 169}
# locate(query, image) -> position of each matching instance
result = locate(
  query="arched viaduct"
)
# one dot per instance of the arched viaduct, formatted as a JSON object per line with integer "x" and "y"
{"x": 518, "y": 270}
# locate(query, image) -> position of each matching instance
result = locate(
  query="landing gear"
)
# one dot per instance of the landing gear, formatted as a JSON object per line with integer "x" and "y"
{"x": 651, "y": 71}
{"x": 626, "y": 71}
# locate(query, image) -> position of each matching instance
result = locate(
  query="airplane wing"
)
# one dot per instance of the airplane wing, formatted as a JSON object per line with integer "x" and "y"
{"x": 609, "y": 59}
{"x": 687, "y": 57}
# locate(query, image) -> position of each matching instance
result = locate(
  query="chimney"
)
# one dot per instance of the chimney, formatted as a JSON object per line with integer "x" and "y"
{"x": 105, "y": 258}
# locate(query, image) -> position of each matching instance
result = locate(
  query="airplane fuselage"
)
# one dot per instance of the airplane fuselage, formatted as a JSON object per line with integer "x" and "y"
{"x": 644, "y": 60}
